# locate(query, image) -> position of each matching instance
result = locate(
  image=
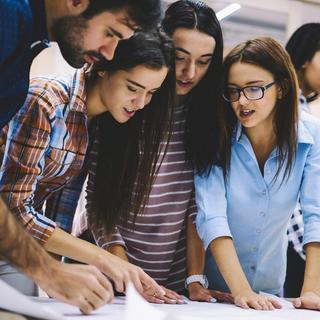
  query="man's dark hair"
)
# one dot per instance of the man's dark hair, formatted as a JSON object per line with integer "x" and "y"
{"x": 145, "y": 13}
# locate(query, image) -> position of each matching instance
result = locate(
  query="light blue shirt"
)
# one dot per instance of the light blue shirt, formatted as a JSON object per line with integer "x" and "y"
{"x": 254, "y": 210}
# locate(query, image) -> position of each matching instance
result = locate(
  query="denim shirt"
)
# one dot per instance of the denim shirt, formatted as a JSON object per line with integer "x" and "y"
{"x": 23, "y": 35}
{"x": 254, "y": 209}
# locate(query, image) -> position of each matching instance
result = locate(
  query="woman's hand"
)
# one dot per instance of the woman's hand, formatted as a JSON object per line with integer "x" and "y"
{"x": 249, "y": 299}
{"x": 170, "y": 296}
{"x": 198, "y": 293}
{"x": 307, "y": 300}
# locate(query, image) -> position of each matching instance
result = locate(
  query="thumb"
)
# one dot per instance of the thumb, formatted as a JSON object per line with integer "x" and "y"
{"x": 297, "y": 303}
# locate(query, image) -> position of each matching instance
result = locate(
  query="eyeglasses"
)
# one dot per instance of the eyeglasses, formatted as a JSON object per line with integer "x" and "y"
{"x": 232, "y": 94}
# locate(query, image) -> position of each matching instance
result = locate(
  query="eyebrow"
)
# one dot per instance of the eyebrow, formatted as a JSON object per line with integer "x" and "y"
{"x": 189, "y": 53}
{"x": 248, "y": 83}
{"x": 116, "y": 33}
{"x": 140, "y": 85}
{"x": 129, "y": 23}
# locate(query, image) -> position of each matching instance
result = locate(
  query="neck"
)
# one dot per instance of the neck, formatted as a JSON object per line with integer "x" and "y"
{"x": 305, "y": 88}
{"x": 180, "y": 100}
{"x": 261, "y": 135}
{"x": 94, "y": 104}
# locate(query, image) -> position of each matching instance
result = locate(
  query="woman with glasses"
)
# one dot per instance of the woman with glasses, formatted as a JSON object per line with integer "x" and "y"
{"x": 304, "y": 50}
{"x": 268, "y": 158}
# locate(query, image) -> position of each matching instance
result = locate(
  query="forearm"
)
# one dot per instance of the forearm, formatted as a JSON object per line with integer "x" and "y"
{"x": 119, "y": 251}
{"x": 312, "y": 270}
{"x": 228, "y": 263}
{"x": 18, "y": 248}
{"x": 195, "y": 250}
{"x": 65, "y": 244}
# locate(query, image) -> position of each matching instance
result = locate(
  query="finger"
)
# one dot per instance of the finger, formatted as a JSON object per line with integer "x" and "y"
{"x": 270, "y": 305}
{"x": 174, "y": 297}
{"x": 153, "y": 299}
{"x": 119, "y": 284}
{"x": 275, "y": 303}
{"x": 172, "y": 294}
{"x": 148, "y": 282}
{"x": 169, "y": 300}
{"x": 263, "y": 304}
{"x": 85, "y": 307}
{"x": 297, "y": 303}
{"x": 242, "y": 304}
{"x": 255, "y": 304}
{"x": 104, "y": 290}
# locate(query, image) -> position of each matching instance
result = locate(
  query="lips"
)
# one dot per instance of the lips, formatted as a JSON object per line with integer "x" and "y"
{"x": 90, "y": 58}
{"x": 185, "y": 83}
{"x": 246, "y": 113}
{"x": 129, "y": 112}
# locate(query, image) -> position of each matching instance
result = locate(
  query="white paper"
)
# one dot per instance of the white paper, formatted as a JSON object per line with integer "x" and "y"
{"x": 13, "y": 300}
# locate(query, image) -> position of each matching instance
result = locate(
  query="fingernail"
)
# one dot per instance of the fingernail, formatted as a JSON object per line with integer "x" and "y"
{"x": 213, "y": 300}
{"x": 182, "y": 301}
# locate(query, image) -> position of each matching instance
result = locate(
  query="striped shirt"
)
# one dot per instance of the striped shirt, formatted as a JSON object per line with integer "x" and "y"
{"x": 158, "y": 242}
{"x": 42, "y": 148}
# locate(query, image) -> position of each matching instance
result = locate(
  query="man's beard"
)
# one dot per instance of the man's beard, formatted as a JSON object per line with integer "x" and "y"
{"x": 68, "y": 32}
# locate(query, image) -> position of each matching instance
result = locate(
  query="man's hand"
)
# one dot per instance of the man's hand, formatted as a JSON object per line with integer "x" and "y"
{"x": 170, "y": 297}
{"x": 198, "y": 293}
{"x": 80, "y": 285}
{"x": 307, "y": 300}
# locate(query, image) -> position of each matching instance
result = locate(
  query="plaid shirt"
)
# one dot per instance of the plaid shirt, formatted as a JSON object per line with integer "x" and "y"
{"x": 296, "y": 227}
{"x": 42, "y": 148}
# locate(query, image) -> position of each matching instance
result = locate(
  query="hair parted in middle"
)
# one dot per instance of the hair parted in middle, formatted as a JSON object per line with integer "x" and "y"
{"x": 128, "y": 153}
{"x": 201, "y": 136}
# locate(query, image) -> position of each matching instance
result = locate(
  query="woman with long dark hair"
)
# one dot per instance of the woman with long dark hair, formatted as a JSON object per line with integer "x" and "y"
{"x": 154, "y": 236}
{"x": 304, "y": 50}
{"x": 47, "y": 145}
{"x": 271, "y": 158}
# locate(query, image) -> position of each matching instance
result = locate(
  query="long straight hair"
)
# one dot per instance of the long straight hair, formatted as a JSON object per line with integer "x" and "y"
{"x": 202, "y": 124}
{"x": 128, "y": 153}
{"x": 268, "y": 54}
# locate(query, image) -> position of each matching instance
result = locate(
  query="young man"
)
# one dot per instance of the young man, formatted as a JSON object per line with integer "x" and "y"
{"x": 86, "y": 31}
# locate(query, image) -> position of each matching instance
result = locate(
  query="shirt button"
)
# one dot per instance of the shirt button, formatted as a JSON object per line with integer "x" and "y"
{"x": 253, "y": 268}
{"x": 264, "y": 192}
{"x": 48, "y": 189}
{"x": 262, "y": 214}
{"x": 258, "y": 231}
{"x": 67, "y": 178}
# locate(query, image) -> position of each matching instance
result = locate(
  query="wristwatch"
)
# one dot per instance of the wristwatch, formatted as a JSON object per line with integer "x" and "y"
{"x": 201, "y": 278}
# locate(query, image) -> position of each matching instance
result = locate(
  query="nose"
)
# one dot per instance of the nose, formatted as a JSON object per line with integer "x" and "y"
{"x": 242, "y": 99}
{"x": 109, "y": 47}
{"x": 190, "y": 70}
{"x": 139, "y": 102}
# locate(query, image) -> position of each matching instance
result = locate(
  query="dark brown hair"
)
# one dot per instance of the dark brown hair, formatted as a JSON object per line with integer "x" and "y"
{"x": 268, "y": 54}
{"x": 128, "y": 152}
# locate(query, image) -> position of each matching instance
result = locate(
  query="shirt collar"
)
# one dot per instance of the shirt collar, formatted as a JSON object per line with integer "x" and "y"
{"x": 78, "y": 93}
{"x": 304, "y": 135}
{"x": 40, "y": 38}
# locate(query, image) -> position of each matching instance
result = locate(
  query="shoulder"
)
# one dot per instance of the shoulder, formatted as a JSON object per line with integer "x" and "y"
{"x": 308, "y": 128}
{"x": 46, "y": 94}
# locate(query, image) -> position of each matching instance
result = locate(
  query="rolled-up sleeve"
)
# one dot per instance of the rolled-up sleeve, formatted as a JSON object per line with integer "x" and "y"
{"x": 23, "y": 153}
{"x": 310, "y": 193}
{"x": 211, "y": 202}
